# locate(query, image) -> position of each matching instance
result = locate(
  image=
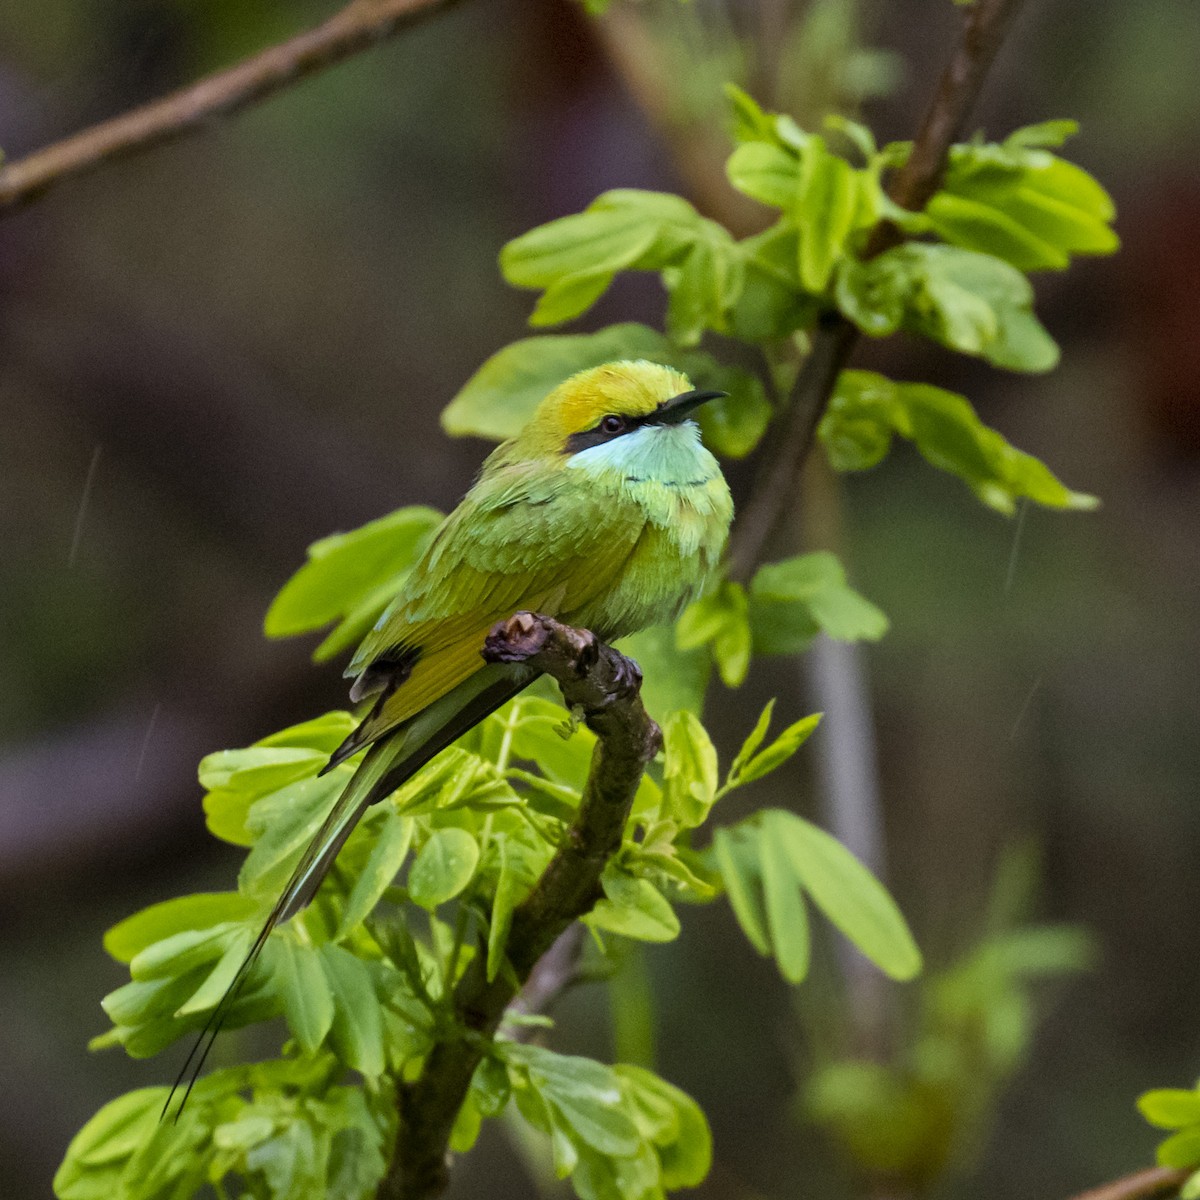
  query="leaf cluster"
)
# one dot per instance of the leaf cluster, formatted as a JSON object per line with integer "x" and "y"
{"x": 362, "y": 979}
{"x": 1177, "y": 1109}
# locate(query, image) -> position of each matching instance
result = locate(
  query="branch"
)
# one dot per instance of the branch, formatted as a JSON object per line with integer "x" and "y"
{"x": 775, "y": 491}
{"x": 1142, "y": 1185}
{"x": 987, "y": 21}
{"x": 361, "y": 24}
{"x": 605, "y": 685}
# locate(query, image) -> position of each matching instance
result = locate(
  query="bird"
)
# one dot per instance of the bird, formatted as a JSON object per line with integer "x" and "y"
{"x": 605, "y": 511}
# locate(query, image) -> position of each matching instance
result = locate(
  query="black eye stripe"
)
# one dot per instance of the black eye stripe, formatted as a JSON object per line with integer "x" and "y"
{"x": 603, "y": 432}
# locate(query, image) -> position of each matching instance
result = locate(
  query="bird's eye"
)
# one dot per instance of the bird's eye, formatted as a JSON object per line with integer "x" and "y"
{"x": 612, "y": 423}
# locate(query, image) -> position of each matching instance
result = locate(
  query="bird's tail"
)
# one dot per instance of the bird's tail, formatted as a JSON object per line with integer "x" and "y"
{"x": 388, "y": 764}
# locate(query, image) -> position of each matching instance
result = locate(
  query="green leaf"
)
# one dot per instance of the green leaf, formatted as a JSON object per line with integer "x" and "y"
{"x": 490, "y": 1086}
{"x": 382, "y": 865}
{"x": 537, "y": 736}
{"x": 586, "y": 1095}
{"x": 704, "y": 285}
{"x": 568, "y": 298}
{"x": 848, "y": 894}
{"x": 654, "y": 1111}
{"x": 781, "y": 628}
{"x": 112, "y": 1135}
{"x": 858, "y": 135}
{"x": 594, "y": 243}
{"x": 323, "y": 734}
{"x": 258, "y": 770}
{"x": 1044, "y": 134}
{"x": 282, "y": 824}
{"x": 575, "y": 257}
{"x": 750, "y": 122}
{"x": 142, "y": 1005}
{"x": 951, "y": 437}
{"x": 467, "y": 1125}
{"x": 633, "y": 908}
{"x": 219, "y": 980}
{"x": 244, "y": 1133}
{"x": 1022, "y": 204}
{"x": 520, "y": 866}
{"x": 237, "y": 779}
{"x": 975, "y": 225}
{"x": 765, "y": 172}
{"x": 502, "y": 395}
{"x": 347, "y": 567}
{"x": 304, "y": 992}
{"x": 817, "y": 581}
{"x": 456, "y": 779}
{"x": 779, "y": 751}
{"x": 673, "y": 1122}
{"x": 856, "y": 429}
{"x": 289, "y": 1163}
{"x": 826, "y": 205}
{"x": 735, "y": 853}
{"x": 356, "y": 1031}
{"x": 733, "y": 425}
{"x": 443, "y": 867}
{"x": 846, "y": 616}
{"x": 867, "y": 408}
{"x": 787, "y": 922}
{"x": 799, "y": 578}
{"x": 617, "y": 230}
{"x": 719, "y": 620}
{"x": 1181, "y": 1149}
{"x": 1042, "y": 951}
{"x": 690, "y": 773}
{"x": 970, "y": 302}
{"x": 874, "y": 294}
{"x": 753, "y": 740}
{"x": 1170, "y": 1108}
{"x": 181, "y": 952}
{"x": 196, "y": 912}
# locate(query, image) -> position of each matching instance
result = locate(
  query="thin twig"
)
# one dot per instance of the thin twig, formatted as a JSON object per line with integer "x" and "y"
{"x": 1142, "y": 1185}
{"x": 605, "y": 685}
{"x": 361, "y": 24}
{"x": 556, "y": 971}
{"x": 986, "y": 23}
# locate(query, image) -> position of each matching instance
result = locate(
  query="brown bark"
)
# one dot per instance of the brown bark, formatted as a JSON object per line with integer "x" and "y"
{"x": 605, "y": 685}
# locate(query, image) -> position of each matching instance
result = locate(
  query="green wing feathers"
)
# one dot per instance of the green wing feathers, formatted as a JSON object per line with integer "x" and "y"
{"x": 513, "y": 543}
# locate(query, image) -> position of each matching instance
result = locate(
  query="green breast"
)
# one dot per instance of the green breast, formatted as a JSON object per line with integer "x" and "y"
{"x": 666, "y": 480}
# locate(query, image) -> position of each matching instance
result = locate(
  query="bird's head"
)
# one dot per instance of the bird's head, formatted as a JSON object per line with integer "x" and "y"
{"x": 603, "y": 404}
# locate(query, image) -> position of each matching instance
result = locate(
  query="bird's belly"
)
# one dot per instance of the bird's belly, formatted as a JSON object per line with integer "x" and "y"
{"x": 670, "y": 565}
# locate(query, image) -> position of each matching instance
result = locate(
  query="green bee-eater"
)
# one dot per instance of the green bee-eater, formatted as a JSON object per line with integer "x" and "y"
{"x": 605, "y": 511}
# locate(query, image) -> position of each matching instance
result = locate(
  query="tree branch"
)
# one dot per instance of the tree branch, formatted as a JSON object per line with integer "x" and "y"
{"x": 361, "y": 24}
{"x": 986, "y": 23}
{"x": 1142, "y": 1185}
{"x": 774, "y": 493}
{"x": 605, "y": 685}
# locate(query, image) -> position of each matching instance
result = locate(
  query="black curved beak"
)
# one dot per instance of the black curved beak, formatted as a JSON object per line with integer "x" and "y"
{"x": 680, "y": 407}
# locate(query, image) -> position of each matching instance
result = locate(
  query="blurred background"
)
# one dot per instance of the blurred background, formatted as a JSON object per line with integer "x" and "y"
{"x": 216, "y": 353}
